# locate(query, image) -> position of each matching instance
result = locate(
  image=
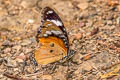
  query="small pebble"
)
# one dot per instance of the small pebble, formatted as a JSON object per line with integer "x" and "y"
{"x": 6, "y": 43}
{"x": 83, "y": 6}
{"x": 118, "y": 20}
{"x": 30, "y": 21}
{"x": 26, "y": 42}
{"x": 109, "y": 22}
{"x": 46, "y": 77}
{"x": 7, "y": 50}
{"x": 11, "y": 63}
{"x": 17, "y": 47}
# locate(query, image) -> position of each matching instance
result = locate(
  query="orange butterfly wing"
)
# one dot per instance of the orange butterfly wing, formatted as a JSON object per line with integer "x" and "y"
{"x": 52, "y": 49}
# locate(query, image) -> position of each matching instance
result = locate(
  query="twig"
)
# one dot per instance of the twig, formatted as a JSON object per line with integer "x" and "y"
{"x": 14, "y": 77}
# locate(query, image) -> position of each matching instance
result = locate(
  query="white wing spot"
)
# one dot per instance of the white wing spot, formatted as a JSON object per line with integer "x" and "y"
{"x": 56, "y": 32}
{"x": 48, "y": 32}
{"x": 45, "y": 35}
{"x": 57, "y": 22}
{"x": 49, "y": 12}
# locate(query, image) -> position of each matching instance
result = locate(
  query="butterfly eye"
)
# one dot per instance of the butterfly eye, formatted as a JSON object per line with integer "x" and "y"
{"x": 52, "y": 44}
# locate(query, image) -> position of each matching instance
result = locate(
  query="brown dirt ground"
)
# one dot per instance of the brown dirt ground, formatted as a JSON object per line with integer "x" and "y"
{"x": 92, "y": 25}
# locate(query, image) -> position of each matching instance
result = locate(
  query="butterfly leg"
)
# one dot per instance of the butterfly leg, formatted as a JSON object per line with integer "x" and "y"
{"x": 24, "y": 64}
{"x": 33, "y": 61}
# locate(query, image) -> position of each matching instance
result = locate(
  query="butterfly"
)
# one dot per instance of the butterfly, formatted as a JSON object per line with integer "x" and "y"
{"x": 52, "y": 38}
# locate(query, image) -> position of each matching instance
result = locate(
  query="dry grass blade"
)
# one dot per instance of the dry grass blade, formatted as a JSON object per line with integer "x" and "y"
{"x": 87, "y": 57}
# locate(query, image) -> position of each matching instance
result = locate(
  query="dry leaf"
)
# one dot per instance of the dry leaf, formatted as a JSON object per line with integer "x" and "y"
{"x": 114, "y": 72}
{"x": 16, "y": 38}
{"x": 77, "y": 36}
{"x": 118, "y": 7}
{"x": 117, "y": 34}
{"x": 118, "y": 50}
{"x": 113, "y": 2}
